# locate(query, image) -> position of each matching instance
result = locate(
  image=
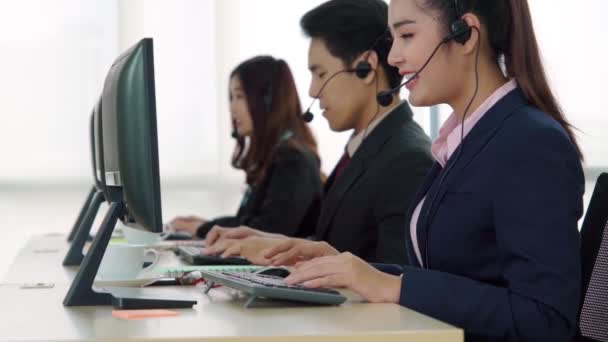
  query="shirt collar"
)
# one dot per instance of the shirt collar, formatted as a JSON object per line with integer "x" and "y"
{"x": 450, "y": 133}
{"x": 356, "y": 140}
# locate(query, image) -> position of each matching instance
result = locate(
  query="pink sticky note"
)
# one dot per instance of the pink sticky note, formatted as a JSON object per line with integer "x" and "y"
{"x": 141, "y": 314}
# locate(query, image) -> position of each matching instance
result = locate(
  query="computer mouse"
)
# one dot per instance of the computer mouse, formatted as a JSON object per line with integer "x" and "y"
{"x": 276, "y": 271}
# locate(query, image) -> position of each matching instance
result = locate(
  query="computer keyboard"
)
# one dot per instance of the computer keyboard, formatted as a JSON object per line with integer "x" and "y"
{"x": 196, "y": 256}
{"x": 271, "y": 287}
{"x": 175, "y": 244}
{"x": 273, "y": 281}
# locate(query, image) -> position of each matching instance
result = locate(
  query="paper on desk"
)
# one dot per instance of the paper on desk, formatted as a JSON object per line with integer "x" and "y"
{"x": 178, "y": 271}
{"x": 142, "y": 314}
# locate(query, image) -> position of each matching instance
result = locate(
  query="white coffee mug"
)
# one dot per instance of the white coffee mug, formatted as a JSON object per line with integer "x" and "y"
{"x": 124, "y": 262}
{"x": 139, "y": 237}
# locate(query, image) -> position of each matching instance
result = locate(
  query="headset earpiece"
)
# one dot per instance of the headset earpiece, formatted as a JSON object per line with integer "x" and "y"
{"x": 267, "y": 98}
{"x": 460, "y": 31}
{"x": 362, "y": 69}
{"x": 269, "y": 89}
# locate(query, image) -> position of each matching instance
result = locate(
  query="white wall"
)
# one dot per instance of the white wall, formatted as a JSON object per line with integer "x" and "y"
{"x": 55, "y": 55}
{"x": 572, "y": 37}
{"x": 187, "y": 111}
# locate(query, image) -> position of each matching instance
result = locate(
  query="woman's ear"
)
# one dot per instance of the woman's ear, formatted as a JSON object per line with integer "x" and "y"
{"x": 470, "y": 46}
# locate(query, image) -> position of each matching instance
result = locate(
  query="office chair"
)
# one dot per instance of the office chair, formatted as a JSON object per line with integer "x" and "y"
{"x": 593, "y": 312}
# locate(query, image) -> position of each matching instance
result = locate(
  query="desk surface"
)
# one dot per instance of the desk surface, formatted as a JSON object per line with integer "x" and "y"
{"x": 40, "y": 260}
{"x": 38, "y": 315}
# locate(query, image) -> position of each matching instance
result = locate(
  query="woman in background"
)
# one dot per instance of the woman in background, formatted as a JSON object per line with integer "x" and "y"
{"x": 276, "y": 150}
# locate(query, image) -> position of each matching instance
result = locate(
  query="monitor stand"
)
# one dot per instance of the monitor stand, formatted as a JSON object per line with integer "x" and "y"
{"x": 81, "y": 214}
{"x": 81, "y": 291}
{"x": 83, "y": 226}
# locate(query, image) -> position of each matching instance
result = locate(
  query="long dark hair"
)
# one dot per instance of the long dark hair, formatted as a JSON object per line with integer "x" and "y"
{"x": 275, "y": 110}
{"x": 513, "y": 41}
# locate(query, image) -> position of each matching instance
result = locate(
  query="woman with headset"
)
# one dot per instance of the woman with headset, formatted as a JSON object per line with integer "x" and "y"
{"x": 275, "y": 149}
{"x": 493, "y": 238}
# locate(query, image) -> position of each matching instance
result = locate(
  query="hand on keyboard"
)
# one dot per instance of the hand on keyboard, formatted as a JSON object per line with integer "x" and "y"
{"x": 348, "y": 271}
{"x": 187, "y": 224}
{"x": 251, "y": 248}
{"x": 273, "y": 281}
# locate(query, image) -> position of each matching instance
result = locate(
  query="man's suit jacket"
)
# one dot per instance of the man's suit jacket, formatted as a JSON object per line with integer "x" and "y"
{"x": 365, "y": 208}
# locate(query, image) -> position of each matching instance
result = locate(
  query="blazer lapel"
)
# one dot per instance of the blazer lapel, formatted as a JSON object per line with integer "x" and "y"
{"x": 337, "y": 188}
{"x": 336, "y": 193}
{"x": 473, "y": 143}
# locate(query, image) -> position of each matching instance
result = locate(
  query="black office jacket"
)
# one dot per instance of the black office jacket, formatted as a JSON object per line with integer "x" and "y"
{"x": 365, "y": 209}
{"x": 287, "y": 201}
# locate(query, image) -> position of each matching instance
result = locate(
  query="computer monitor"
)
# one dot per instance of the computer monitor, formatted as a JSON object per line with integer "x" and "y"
{"x": 130, "y": 142}
{"x": 129, "y": 170}
{"x": 82, "y": 227}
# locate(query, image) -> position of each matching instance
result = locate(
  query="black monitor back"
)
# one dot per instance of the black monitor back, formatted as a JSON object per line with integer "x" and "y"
{"x": 97, "y": 146}
{"x": 130, "y": 140}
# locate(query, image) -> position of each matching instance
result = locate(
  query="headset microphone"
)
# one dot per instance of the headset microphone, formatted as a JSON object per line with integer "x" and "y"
{"x": 362, "y": 69}
{"x": 235, "y": 132}
{"x": 308, "y": 116}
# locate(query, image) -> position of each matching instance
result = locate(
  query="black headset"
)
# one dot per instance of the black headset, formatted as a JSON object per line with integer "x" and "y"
{"x": 361, "y": 70}
{"x": 267, "y": 95}
{"x": 460, "y": 32}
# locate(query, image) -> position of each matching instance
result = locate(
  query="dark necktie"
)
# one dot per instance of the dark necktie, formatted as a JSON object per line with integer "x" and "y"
{"x": 342, "y": 164}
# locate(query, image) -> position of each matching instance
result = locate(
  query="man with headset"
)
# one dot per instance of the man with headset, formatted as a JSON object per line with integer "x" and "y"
{"x": 369, "y": 191}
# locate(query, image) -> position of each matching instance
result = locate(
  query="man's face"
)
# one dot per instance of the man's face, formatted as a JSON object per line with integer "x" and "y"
{"x": 344, "y": 96}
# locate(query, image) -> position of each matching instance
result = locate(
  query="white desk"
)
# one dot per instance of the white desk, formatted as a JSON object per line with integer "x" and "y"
{"x": 40, "y": 261}
{"x": 38, "y": 315}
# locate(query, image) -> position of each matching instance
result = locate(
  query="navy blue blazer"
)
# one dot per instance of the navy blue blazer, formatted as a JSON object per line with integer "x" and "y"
{"x": 501, "y": 237}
